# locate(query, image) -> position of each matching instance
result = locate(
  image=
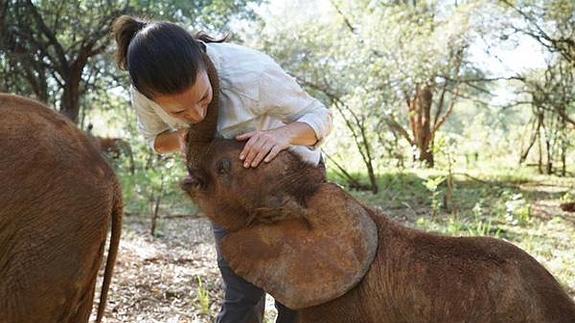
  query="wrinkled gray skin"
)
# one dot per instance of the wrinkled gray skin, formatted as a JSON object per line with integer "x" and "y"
{"x": 57, "y": 199}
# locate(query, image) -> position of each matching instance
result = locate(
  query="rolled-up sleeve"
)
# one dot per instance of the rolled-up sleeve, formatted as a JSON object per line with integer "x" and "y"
{"x": 282, "y": 97}
{"x": 149, "y": 123}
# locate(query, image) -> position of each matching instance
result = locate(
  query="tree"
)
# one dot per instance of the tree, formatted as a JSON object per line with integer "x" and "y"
{"x": 551, "y": 96}
{"x": 55, "y": 50}
{"x": 325, "y": 58}
{"x": 52, "y": 49}
{"x": 549, "y": 90}
{"x": 426, "y": 53}
{"x": 550, "y": 22}
{"x": 383, "y": 66}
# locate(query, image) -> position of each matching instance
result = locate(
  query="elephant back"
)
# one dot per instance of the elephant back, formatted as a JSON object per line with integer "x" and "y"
{"x": 57, "y": 203}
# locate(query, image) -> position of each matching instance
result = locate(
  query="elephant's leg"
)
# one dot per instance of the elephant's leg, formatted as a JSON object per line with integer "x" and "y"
{"x": 82, "y": 304}
{"x": 83, "y": 309}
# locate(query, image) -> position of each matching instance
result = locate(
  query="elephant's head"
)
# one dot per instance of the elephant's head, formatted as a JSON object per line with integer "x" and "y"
{"x": 302, "y": 240}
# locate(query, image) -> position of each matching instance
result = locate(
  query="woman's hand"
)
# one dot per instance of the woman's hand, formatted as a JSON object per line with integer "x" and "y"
{"x": 262, "y": 145}
{"x": 266, "y": 144}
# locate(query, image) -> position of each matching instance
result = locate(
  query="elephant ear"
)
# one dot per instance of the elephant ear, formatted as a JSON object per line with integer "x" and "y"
{"x": 308, "y": 260}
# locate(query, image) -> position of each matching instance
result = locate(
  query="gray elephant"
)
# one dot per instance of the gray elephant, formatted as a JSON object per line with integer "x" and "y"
{"x": 57, "y": 200}
{"x": 319, "y": 251}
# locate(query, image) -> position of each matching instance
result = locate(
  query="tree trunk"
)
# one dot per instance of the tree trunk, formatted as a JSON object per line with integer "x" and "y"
{"x": 372, "y": 178}
{"x": 70, "y": 104}
{"x": 156, "y": 207}
{"x": 563, "y": 159}
{"x": 548, "y": 130}
{"x": 352, "y": 182}
{"x": 426, "y": 155}
{"x": 534, "y": 136}
{"x": 549, "y": 166}
{"x": 563, "y": 142}
{"x": 540, "y": 160}
{"x": 420, "y": 121}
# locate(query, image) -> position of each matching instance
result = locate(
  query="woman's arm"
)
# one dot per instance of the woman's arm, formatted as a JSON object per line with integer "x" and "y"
{"x": 156, "y": 132}
{"x": 307, "y": 120}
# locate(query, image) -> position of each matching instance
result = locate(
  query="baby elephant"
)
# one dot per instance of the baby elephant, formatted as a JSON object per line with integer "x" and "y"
{"x": 321, "y": 252}
{"x": 57, "y": 199}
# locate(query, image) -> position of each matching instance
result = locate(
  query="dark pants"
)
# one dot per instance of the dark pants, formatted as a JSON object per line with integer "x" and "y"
{"x": 243, "y": 302}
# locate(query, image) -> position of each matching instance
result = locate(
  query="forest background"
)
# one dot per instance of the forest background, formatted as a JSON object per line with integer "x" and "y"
{"x": 453, "y": 116}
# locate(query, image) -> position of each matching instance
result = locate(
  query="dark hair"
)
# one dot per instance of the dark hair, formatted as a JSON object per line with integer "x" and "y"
{"x": 161, "y": 57}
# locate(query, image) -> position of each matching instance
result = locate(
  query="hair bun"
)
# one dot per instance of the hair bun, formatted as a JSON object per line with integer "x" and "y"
{"x": 124, "y": 29}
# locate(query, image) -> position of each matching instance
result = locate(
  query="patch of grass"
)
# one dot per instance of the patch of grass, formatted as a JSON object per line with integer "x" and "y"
{"x": 396, "y": 189}
{"x": 203, "y": 298}
{"x": 519, "y": 206}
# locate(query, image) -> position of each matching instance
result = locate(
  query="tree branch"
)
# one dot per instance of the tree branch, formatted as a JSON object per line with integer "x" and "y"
{"x": 61, "y": 56}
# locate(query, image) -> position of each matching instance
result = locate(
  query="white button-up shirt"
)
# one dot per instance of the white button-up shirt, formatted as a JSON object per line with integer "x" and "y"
{"x": 255, "y": 94}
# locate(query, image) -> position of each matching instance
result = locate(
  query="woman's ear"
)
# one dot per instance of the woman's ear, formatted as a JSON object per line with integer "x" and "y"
{"x": 308, "y": 259}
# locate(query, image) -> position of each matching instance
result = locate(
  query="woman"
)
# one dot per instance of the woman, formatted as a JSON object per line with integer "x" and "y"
{"x": 258, "y": 103}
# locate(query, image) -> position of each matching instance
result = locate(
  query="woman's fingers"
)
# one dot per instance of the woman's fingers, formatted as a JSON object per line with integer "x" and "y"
{"x": 260, "y": 146}
{"x": 251, "y": 149}
{"x": 273, "y": 153}
{"x": 249, "y": 137}
{"x": 263, "y": 152}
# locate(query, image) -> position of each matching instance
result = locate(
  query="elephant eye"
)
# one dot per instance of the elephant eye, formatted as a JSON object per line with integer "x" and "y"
{"x": 224, "y": 166}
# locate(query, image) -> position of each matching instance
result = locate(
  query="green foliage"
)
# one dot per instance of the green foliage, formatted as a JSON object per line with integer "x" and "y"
{"x": 203, "y": 298}
{"x": 155, "y": 178}
{"x": 207, "y": 15}
{"x": 61, "y": 52}
{"x": 517, "y": 210}
{"x": 366, "y": 59}
{"x": 569, "y": 196}
{"x": 549, "y": 22}
{"x": 51, "y": 54}
{"x": 432, "y": 184}
{"x": 457, "y": 227}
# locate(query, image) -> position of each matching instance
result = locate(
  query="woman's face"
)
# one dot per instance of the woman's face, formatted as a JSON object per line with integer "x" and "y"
{"x": 192, "y": 104}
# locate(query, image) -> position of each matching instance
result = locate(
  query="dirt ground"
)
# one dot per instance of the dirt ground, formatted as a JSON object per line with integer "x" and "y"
{"x": 172, "y": 277}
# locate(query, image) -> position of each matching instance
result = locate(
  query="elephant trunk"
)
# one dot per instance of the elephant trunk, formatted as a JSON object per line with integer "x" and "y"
{"x": 201, "y": 134}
